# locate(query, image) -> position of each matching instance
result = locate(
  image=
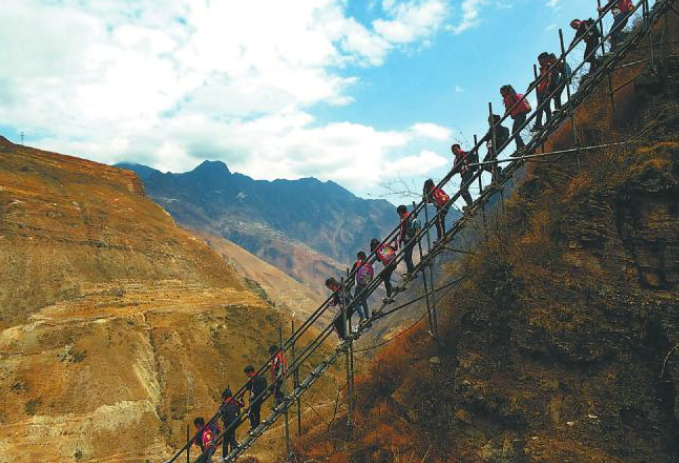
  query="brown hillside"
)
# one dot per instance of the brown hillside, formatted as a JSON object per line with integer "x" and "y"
{"x": 118, "y": 326}
{"x": 288, "y": 293}
{"x": 65, "y": 221}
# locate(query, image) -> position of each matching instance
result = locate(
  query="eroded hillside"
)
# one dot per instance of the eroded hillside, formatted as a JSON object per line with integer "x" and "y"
{"x": 118, "y": 327}
{"x": 287, "y": 293}
{"x": 65, "y": 221}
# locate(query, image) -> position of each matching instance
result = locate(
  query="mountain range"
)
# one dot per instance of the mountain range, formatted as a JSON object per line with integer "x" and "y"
{"x": 307, "y": 228}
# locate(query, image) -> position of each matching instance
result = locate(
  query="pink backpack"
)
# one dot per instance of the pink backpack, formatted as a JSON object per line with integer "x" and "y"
{"x": 364, "y": 274}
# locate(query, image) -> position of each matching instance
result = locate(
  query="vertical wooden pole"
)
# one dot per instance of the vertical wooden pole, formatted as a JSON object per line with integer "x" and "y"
{"x": 430, "y": 320}
{"x": 282, "y": 391}
{"x": 428, "y": 285}
{"x": 296, "y": 380}
{"x": 494, "y": 148}
{"x": 483, "y": 205}
{"x": 476, "y": 143}
{"x": 188, "y": 437}
{"x": 568, "y": 95}
{"x": 647, "y": 21}
{"x": 600, "y": 28}
{"x": 352, "y": 402}
{"x": 349, "y": 352}
{"x": 542, "y": 113}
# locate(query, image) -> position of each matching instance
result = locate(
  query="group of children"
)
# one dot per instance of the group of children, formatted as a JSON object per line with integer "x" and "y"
{"x": 555, "y": 74}
{"x": 364, "y": 272}
{"x": 551, "y": 83}
{"x": 230, "y": 410}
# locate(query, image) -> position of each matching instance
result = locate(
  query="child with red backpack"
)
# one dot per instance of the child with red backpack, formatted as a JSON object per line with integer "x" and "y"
{"x": 408, "y": 229}
{"x": 440, "y": 200}
{"x": 256, "y": 386}
{"x": 364, "y": 276}
{"x": 563, "y": 75}
{"x": 278, "y": 371}
{"x": 588, "y": 31}
{"x": 518, "y": 108}
{"x": 621, "y": 10}
{"x": 495, "y": 139}
{"x": 341, "y": 303}
{"x": 546, "y": 85}
{"x": 386, "y": 254}
{"x": 206, "y": 439}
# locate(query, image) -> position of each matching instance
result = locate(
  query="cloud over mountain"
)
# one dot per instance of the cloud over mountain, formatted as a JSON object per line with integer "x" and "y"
{"x": 168, "y": 84}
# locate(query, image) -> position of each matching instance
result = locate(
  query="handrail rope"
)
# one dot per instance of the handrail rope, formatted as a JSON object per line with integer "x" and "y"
{"x": 389, "y": 239}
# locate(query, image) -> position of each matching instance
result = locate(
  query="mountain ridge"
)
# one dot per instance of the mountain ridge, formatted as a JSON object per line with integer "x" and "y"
{"x": 288, "y": 223}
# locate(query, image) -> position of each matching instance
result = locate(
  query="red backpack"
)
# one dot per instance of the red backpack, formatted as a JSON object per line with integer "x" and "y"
{"x": 386, "y": 254}
{"x": 625, "y": 6}
{"x": 440, "y": 197}
{"x": 524, "y": 106}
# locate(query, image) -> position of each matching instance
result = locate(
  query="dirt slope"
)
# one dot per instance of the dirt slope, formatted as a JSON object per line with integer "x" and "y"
{"x": 287, "y": 293}
{"x": 64, "y": 221}
{"x": 118, "y": 327}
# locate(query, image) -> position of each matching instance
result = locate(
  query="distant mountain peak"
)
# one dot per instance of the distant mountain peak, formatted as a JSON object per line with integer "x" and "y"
{"x": 212, "y": 168}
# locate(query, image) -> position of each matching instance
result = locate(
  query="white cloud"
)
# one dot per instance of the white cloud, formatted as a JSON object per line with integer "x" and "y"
{"x": 421, "y": 164}
{"x": 471, "y": 12}
{"x": 169, "y": 84}
{"x": 286, "y": 145}
{"x": 433, "y": 131}
{"x": 411, "y": 20}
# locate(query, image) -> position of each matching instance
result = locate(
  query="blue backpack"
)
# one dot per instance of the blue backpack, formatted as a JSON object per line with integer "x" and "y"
{"x": 414, "y": 227}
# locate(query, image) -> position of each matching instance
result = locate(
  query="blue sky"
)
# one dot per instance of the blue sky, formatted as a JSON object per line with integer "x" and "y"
{"x": 451, "y": 82}
{"x": 359, "y": 92}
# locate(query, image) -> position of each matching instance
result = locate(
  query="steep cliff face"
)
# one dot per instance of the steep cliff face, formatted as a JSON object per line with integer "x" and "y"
{"x": 562, "y": 335}
{"x": 562, "y": 342}
{"x": 118, "y": 327}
